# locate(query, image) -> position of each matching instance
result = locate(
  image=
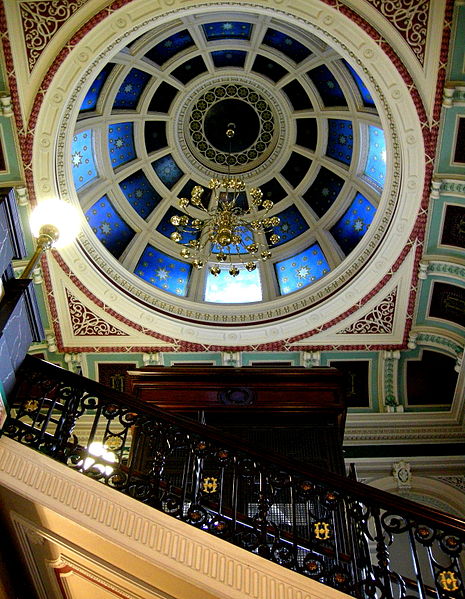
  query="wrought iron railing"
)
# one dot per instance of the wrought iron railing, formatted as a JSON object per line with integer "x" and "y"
{"x": 357, "y": 539}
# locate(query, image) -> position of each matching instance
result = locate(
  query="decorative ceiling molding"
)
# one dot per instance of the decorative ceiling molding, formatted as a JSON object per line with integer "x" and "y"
{"x": 410, "y": 18}
{"x": 378, "y": 320}
{"x": 82, "y": 323}
{"x": 85, "y": 323}
{"x": 40, "y": 22}
{"x": 230, "y": 335}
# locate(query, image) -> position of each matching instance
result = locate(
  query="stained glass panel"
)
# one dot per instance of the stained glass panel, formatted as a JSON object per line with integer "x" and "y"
{"x": 168, "y": 171}
{"x": 162, "y": 98}
{"x": 131, "y": 89}
{"x": 291, "y": 225}
{"x": 286, "y": 44}
{"x": 227, "y": 30}
{"x": 163, "y": 271}
{"x": 296, "y": 168}
{"x": 375, "y": 168}
{"x": 307, "y": 133}
{"x": 189, "y": 69}
{"x": 170, "y": 46}
{"x": 110, "y": 229}
{"x": 228, "y": 58}
{"x": 362, "y": 88}
{"x": 92, "y": 96}
{"x": 82, "y": 159}
{"x": 323, "y": 192}
{"x": 301, "y": 270}
{"x": 297, "y": 95}
{"x": 140, "y": 193}
{"x": 327, "y": 87}
{"x": 354, "y": 224}
{"x": 340, "y": 140}
{"x": 121, "y": 143}
{"x": 155, "y": 135}
{"x": 269, "y": 68}
{"x": 273, "y": 190}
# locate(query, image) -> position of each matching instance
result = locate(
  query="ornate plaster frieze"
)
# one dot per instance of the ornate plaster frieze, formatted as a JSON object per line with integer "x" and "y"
{"x": 439, "y": 341}
{"x": 399, "y": 432}
{"x": 455, "y": 481}
{"x": 451, "y": 186}
{"x": 41, "y": 21}
{"x": 379, "y": 320}
{"x": 449, "y": 269}
{"x": 85, "y": 322}
{"x": 410, "y": 18}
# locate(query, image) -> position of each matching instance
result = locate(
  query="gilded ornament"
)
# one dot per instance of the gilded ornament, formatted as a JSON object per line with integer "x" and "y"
{"x": 210, "y": 484}
{"x": 448, "y": 581}
{"x": 322, "y": 531}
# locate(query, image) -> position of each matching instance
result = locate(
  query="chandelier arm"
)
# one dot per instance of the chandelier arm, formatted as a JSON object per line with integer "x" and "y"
{"x": 227, "y": 225}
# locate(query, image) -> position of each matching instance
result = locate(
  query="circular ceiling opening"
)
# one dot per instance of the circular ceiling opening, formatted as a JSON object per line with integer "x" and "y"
{"x": 226, "y": 112}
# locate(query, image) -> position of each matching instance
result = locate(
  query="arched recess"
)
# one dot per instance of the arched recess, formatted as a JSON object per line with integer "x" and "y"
{"x": 427, "y": 491}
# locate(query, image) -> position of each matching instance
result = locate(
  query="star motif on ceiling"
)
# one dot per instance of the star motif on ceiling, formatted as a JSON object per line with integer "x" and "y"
{"x": 358, "y": 224}
{"x": 105, "y": 228}
{"x": 119, "y": 143}
{"x": 162, "y": 274}
{"x": 303, "y": 272}
{"x": 76, "y": 159}
{"x": 128, "y": 88}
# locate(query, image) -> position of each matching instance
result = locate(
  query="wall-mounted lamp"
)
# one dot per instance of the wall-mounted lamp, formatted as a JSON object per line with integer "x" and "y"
{"x": 54, "y": 223}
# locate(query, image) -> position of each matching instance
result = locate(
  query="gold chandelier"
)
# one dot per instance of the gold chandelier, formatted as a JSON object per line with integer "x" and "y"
{"x": 225, "y": 233}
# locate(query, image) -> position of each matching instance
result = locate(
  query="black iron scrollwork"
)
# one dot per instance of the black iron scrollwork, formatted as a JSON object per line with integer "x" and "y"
{"x": 327, "y": 528}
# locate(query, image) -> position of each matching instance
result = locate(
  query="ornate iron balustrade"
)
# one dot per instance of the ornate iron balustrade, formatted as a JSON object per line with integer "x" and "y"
{"x": 357, "y": 539}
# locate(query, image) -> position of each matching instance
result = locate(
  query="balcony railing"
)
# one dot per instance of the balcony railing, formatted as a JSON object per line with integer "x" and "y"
{"x": 349, "y": 536}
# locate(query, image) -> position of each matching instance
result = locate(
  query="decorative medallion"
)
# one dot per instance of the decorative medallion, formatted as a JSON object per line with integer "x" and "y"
{"x": 210, "y": 484}
{"x": 322, "y": 531}
{"x": 255, "y": 108}
{"x": 448, "y": 581}
{"x": 255, "y": 136}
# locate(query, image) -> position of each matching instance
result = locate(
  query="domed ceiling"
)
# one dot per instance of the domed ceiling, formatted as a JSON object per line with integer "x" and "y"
{"x": 152, "y": 126}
